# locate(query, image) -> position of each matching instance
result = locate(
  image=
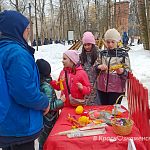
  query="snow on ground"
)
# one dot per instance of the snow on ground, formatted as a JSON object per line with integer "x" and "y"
{"x": 140, "y": 64}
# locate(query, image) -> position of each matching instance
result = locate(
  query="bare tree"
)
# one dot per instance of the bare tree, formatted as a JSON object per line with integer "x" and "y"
{"x": 101, "y": 16}
{"x": 0, "y": 6}
{"x": 78, "y": 20}
{"x": 148, "y": 19}
{"x": 61, "y": 21}
{"x": 143, "y": 23}
{"x": 41, "y": 9}
{"x": 52, "y": 22}
{"x": 19, "y": 5}
{"x": 108, "y": 14}
{"x": 67, "y": 13}
{"x": 36, "y": 24}
{"x": 1, "y": 1}
{"x": 114, "y": 18}
{"x": 56, "y": 18}
{"x": 31, "y": 25}
{"x": 85, "y": 11}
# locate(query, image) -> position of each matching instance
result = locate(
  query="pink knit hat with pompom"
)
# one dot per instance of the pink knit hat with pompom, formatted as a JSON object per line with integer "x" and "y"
{"x": 73, "y": 55}
{"x": 88, "y": 37}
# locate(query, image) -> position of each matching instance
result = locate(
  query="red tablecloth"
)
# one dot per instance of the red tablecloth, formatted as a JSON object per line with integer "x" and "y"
{"x": 98, "y": 142}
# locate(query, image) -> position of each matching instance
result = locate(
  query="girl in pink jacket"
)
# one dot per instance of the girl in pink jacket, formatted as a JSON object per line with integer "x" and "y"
{"x": 73, "y": 80}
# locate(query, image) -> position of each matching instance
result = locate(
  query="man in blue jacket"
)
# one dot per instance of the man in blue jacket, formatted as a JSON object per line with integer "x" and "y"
{"x": 21, "y": 103}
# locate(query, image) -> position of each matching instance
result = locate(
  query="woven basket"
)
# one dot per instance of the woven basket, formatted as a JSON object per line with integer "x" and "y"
{"x": 120, "y": 129}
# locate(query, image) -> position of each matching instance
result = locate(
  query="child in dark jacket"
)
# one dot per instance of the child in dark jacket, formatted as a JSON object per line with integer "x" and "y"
{"x": 55, "y": 104}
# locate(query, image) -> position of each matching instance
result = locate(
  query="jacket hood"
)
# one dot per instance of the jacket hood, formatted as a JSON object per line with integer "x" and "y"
{"x": 13, "y": 25}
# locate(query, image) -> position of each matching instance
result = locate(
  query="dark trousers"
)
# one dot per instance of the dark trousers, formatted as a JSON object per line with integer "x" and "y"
{"x": 109, "y": 98}
{"x": 98, "y": 100}
{"x": 25, "y": 146}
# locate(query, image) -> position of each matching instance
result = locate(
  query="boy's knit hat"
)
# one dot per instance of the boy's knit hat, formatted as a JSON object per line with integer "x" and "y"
{"x": 44, "y": 67}
{"x": 73, "y": 55}
{"x": 88, "y": 37}
{"x": 112, "y": 34}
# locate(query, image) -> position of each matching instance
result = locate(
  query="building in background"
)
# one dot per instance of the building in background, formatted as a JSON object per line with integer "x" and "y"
{"x": 122, "y": 16}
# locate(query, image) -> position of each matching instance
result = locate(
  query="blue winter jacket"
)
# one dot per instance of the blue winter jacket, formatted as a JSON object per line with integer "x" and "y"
{"x": 21, "y": 102}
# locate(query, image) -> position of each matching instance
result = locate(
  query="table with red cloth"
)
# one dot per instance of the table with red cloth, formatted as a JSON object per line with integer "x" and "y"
{"x": 108, "y": 141}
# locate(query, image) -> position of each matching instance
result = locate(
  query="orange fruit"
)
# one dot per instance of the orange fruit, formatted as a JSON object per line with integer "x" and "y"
{"x": 83, "y": 120}
{"x": 79, "y": 110}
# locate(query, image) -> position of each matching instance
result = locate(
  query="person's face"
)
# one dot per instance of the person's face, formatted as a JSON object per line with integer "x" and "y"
{"x": 26, "y": 33}
{"x": 88, "y": 47}
{"x": 67, "y": 62}
{"x": 111, "y": 44}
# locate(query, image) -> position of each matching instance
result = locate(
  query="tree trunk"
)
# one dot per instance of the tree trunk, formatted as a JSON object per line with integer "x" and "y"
{"x": 108, "y": 14}
{"x": 114, "y": 17}
{"x": 16, "y": 4}
{"x": 79, "y": 22}
{"x": 148, "y": 19}
{"x": 52, "y": 34}
{"x": 68, "y": 16}
{"x": 85, "y": 16}
{"x": 60, "y": 20}
{"x": 36, "y": 25}
{"x": 143, "y": 23}
{"x": 31, "y": 26}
